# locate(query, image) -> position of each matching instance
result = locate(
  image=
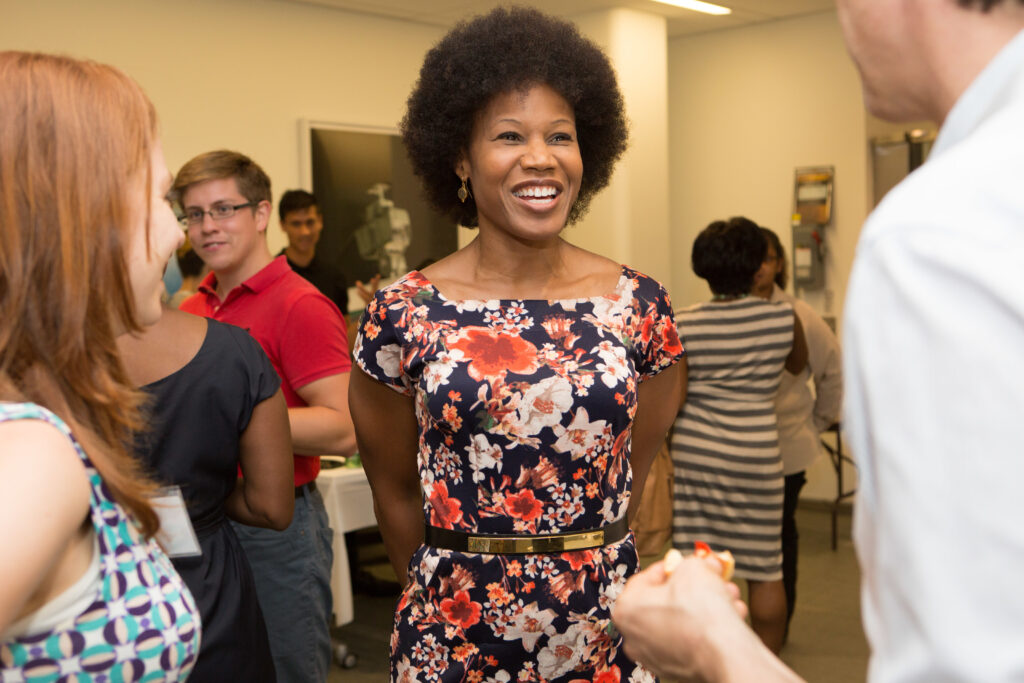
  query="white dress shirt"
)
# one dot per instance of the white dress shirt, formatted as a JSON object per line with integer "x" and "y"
{"x": 934, "y": 350}
{"x": 803, "y": 415}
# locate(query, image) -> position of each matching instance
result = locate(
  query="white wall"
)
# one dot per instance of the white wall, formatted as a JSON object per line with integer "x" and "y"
{"x": 746, "y": 107}
{"x": 237, "y": 73}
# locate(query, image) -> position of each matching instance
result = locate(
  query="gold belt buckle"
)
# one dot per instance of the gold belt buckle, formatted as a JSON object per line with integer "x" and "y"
{"x": 525, "y": 545}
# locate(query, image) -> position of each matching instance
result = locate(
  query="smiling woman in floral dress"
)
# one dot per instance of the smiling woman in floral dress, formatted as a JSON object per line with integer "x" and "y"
{"x": 509, "y": 397}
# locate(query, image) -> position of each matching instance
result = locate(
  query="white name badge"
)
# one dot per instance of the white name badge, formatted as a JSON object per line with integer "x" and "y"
{"x": 176, "y": 536}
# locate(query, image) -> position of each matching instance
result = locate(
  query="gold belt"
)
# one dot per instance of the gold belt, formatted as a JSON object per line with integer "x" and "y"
{"x": 526, "y": 544}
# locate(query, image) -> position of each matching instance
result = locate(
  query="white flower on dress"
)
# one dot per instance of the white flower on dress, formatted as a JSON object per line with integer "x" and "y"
{"x": 406, "y": 672}
{"x": 474, "y": 305}
{"x": 483, "y": 455}
{"x": 389, "y": 358}
{"x": 543, "y": 405}
{"x": 614, "y": 368}
{"x": 529, "y": 624}
{"x": 437, "y": 371}
{"x": 500, "y": 677}
{"x": 562, "y": 653}
{"x": 609, "y": 314}
{"x": 642, "y": 675}
{"x": 609, "y": 592}
{"x": 428, "y": 565}
{"x": 580, "y": 436}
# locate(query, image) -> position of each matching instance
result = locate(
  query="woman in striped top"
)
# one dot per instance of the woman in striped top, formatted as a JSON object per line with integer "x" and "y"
{"x": 728, "y": 471}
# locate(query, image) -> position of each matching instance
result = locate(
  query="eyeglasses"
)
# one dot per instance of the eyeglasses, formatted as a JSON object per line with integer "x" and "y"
{"x": 218, "y": 212}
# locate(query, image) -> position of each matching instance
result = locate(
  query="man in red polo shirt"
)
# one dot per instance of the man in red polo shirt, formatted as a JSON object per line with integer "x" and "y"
{"x": 227, "y": 205}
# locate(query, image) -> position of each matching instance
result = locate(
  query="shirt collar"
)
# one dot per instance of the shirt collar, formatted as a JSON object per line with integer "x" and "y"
{"x": 255, "y": 284}
{"x": 999, "y": 83}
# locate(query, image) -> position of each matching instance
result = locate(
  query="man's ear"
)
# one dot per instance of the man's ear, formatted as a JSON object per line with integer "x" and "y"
{"x": 263, "y": 216}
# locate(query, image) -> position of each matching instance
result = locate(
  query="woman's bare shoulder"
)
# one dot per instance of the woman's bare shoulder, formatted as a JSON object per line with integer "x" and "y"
{"x": 595, "y": 263}
{"x": 453, "y": 274}
{"x": 37, "y": 456}
{"x": 163, "y": 348}
{"x": 44, "y": 501}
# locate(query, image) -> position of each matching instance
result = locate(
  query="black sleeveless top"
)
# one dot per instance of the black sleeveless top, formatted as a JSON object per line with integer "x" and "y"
{"x": 197, "y": 415}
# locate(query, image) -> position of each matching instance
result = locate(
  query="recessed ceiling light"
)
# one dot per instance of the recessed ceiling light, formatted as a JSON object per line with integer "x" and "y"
{"x": 698, "y": 6}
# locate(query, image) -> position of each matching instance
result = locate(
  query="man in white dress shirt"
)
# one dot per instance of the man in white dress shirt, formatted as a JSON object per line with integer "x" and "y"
{"x": 934, "y": 373}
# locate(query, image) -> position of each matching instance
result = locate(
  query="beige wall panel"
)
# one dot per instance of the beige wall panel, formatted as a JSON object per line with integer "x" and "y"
{"x": 237, "y": 73}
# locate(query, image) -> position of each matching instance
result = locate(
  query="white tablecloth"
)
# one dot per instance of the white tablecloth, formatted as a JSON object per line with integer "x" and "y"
{"x": 349, "y": 506}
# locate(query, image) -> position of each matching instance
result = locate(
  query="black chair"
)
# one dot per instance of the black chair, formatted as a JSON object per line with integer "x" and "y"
{"x": 838, "y": 457}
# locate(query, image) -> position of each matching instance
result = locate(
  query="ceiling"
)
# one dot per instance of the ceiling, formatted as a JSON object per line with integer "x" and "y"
{"x": 445, "y": 13}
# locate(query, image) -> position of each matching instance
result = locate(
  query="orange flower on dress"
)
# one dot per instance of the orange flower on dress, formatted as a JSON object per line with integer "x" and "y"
{"x": 460, "y": 610}
{"x": 578, "y": 558}
{"x": 523, "y": 505}
{"x": 564, "y": 584}
{"x": 612, "y": 675}
{"x": 497, "y": 594}
{"x": 465, "y": 651}
{"x": 445, "y": 512}
{"x": 541, "y": 476}
{"x": 670, "y": 344}
{"x": 559, "y": 328}
{"x": 451, "y": 416}
{"x": 646, "y": 328}
{"x": 492, "y": 354}
{"x": 371, "y": 330}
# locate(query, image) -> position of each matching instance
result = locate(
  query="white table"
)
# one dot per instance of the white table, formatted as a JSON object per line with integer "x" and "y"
{"x": 349, "y": 506}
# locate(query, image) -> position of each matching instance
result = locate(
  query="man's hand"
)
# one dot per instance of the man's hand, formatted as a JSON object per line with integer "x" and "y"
{"x": 367, "y": 290}
{"x": 680, "y": 622}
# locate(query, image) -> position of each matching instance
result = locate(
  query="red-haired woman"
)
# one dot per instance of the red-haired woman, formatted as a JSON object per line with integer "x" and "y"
{"x": 85, "y": 233}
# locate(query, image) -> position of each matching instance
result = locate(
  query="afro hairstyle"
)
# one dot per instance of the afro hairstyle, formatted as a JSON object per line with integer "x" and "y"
{"x": 510, "y": 49}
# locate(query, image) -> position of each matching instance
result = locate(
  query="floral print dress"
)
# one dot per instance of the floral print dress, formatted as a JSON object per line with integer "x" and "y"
{"x": 525, "y": 410}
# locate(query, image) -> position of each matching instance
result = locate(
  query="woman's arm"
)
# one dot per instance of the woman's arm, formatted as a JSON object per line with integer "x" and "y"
{"x": 44, "y": 506}
{"x": 825, "y": 361}
{"x": 796, "y": 361}
{"x": 265, "y": 495}
{"x": 658, "y": 402}
{"x": 388, "y": 440}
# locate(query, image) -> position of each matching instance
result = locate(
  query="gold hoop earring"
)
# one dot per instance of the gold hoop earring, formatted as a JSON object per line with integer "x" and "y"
{"x": 463, "y": 192}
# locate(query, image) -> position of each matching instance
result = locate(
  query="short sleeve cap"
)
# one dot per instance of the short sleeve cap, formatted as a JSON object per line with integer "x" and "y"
{"x": 655, "y": 337}
{"x": 261, "y": 381}
{"x": 378, "y": 348}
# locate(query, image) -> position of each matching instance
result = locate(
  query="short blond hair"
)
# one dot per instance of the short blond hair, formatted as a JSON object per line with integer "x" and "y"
{"x": 253, "y": 182}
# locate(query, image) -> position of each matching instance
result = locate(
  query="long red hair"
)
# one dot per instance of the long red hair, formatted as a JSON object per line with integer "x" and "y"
{"x": 75, "y": 145}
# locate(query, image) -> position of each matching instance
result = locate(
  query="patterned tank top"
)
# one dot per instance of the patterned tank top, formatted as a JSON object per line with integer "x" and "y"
{"x": 143, "y": 624}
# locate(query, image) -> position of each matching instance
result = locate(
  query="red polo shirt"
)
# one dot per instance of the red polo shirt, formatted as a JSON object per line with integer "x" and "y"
{"x": 299, "y": 328}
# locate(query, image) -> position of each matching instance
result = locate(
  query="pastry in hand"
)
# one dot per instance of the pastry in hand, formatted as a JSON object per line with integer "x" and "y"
{"x": 673, "y": 557}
